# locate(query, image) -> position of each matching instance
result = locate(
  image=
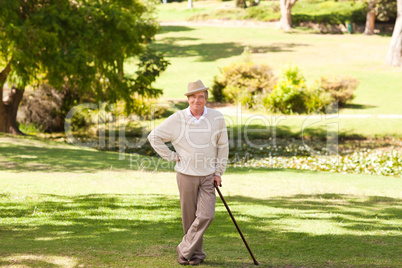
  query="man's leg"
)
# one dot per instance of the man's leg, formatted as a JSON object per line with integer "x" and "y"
{"x": 188, "y": 189}
{"x": 191, "y": 246}
{"x": 199, "y": 252}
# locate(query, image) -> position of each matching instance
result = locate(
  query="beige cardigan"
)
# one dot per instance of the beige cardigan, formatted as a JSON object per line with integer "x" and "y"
{"x": 202, "y": 145}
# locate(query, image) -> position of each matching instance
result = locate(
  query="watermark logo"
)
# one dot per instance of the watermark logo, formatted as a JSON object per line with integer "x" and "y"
{"x": 256, "y": 132}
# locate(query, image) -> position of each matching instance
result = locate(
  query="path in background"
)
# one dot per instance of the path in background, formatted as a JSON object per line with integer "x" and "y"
{"x": 230, "y": 109}
{"x": 221, "y": 23}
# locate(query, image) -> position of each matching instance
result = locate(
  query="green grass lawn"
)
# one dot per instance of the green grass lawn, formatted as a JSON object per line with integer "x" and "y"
{"x": 198, "y": 52}
{"x": 321, "y": 126}
{"x": 65, "y": 206}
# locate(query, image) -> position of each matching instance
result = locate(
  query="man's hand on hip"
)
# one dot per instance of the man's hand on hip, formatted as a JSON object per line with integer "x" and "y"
{"x": 218, "y": 180}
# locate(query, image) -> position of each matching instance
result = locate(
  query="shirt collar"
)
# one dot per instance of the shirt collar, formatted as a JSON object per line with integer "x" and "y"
{"x": 202, "y": 116}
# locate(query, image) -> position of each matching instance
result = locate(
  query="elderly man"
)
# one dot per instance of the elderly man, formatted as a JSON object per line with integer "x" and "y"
{"x": 200, "y": 139}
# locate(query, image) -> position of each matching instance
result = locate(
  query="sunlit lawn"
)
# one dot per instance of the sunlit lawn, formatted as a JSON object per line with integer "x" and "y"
{"x": 322, "y": 126}
{"x": 197, "y": 52}
{"x": 64, "y": 206}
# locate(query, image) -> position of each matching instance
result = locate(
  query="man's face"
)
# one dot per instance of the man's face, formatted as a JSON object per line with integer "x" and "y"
{"x": 197, "y": 101}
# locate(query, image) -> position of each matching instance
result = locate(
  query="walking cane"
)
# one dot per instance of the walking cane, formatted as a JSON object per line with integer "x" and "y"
{"x": 234, "y": 221}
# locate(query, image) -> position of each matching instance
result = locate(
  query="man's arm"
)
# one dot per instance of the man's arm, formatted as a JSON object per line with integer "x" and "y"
{"x": 159, "y": 136}
{"x": 222, "y": 152}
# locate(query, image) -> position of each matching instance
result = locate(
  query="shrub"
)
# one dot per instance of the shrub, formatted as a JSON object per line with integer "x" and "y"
{"x": 341, "y": 88}
{"x": 317, "y": 99}
{"x": 288, "y": 96}
{"x": 150, "y": 108}
{"x": 331, "y": 12}
{"x": 291, "y": 95}
{"x": 268, "y": 12}
{"x": 264, "y": 13}
{"x": 239, "y": 82}
{"x": 217, "y": 90}
{"x": 327, "y": 12}
{"x": 239, "y": 95}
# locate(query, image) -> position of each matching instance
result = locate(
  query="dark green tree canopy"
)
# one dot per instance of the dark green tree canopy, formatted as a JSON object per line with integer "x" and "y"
{"x": 82, "y": 43}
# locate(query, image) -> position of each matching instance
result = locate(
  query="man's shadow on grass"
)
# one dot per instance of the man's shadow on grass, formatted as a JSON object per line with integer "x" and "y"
{"x": 125, "y": 230}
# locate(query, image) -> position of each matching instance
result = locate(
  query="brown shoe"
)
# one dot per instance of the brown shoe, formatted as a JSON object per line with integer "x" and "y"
{"x": 180, "y": 259}
{"x": 195, "y": 261}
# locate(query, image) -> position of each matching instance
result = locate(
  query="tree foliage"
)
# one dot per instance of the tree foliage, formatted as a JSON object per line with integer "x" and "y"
{"x": 385, "y": 10}
{"x": 82, "y": 44}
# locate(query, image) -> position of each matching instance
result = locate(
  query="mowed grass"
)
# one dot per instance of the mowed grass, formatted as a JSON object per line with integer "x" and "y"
{"x": 199, "y": 52}
{"x": 314, "y": 126}
{"x": 65, "y": 206}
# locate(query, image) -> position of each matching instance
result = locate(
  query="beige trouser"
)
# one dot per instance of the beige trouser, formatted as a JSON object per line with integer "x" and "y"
{"x": 197, "y": 199}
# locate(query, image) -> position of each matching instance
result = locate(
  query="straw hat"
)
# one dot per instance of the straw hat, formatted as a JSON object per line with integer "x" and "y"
{"x": 195, "y": 87}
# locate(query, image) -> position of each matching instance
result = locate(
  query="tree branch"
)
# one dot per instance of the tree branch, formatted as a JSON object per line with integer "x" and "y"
{"x": 292, "y": 2}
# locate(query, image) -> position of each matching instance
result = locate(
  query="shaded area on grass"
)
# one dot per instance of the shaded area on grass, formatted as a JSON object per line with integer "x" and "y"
{"x": 351, "y": 212}
{"x": 143, "y": 230}
{"x": 35, "y": 154}
{"x": 214, "y": 51}
{"x": 206, "y": 51}
{"x": 33, "y": 158}
{"x": 167, "y": 29}
{"x": 358, "y": 106}
{"x": 172, "y": 46}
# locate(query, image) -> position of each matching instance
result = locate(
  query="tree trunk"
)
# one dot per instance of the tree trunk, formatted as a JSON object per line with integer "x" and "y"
{"x": 254, "y": 3}
{"x": 241, "y": 4}
{"x": 370, "y": 22}
{"x": 285, "y": 22}
{"x": 190, "y": 4}
{"x": 9, "y": 108}
{"x": 394, "y": 56}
